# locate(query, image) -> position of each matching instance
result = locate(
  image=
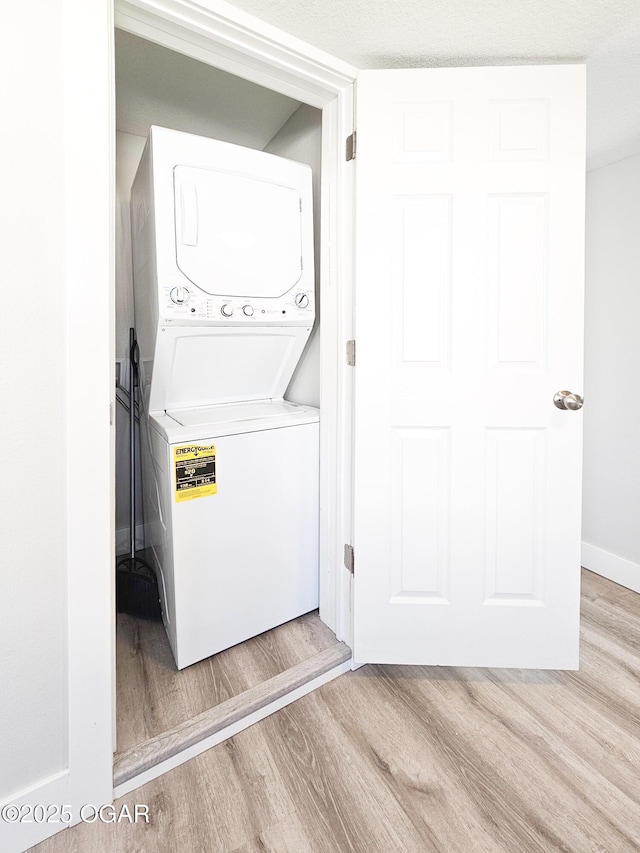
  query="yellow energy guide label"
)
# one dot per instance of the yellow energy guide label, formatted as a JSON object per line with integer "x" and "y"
{"x": 195, "y": 466}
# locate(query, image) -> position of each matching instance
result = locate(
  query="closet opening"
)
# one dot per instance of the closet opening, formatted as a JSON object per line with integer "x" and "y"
{"x": 160, "y": 710}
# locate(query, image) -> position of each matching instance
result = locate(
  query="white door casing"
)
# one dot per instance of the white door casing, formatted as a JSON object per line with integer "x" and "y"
{"x": 469, "y": 289}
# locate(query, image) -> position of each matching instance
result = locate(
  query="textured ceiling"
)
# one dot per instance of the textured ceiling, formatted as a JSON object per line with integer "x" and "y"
{"x": 158, "y": 86}
{"x": 613, "y": 97}
{"x": 414, "y": 33}
{"x": 407, "y": 33}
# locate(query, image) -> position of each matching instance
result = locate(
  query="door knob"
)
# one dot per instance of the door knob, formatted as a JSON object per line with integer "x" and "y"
{"x": 568, "y": 401}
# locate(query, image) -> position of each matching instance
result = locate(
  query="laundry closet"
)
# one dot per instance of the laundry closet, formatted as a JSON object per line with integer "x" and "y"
{"x": 160, "y": 88}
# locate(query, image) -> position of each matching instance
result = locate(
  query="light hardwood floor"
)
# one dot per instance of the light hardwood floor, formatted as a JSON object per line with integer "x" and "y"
{"x": 153, "y": 696}
{"x": 420, "y": 759}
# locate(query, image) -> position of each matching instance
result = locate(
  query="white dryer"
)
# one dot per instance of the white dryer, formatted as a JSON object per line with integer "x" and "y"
{"x": 224, "y": 304}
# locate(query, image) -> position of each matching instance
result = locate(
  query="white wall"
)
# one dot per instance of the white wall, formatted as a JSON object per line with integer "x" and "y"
{"x": 611, "y": 509}
{"x": 129, "y": 150}
{"x": 55, "y": 432}
{"x": 32, "y": 341}
{"x": 158, "y": 86}
{"x": 128, "y": 153}
{"x": 300, "y": 139}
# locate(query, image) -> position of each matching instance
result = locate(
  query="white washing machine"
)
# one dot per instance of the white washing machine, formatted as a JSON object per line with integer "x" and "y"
{"x": 224, "y": 303}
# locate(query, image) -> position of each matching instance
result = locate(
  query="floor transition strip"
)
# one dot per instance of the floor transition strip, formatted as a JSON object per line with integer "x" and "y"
{"x": 146, "y": 755}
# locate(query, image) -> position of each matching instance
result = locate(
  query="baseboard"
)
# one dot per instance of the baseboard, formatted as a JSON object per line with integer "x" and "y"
{"x": 122, "y": 539}
{"x": 610, "y": 566}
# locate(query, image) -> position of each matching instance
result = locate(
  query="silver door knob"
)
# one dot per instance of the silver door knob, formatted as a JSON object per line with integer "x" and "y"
{"x": 568, "y": 401}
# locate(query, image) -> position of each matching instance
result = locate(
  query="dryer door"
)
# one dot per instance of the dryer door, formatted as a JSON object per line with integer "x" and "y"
{"x": 237, "y": 235}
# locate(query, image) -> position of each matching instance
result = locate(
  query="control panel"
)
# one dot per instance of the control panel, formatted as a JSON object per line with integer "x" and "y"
{"x": 182, "y": 304}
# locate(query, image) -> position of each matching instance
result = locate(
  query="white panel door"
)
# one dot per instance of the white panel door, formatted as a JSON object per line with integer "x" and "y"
{"x": 469, "y": 291}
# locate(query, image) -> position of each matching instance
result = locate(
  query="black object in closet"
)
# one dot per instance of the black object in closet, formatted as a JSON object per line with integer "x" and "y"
{"x": 136, "y": 583}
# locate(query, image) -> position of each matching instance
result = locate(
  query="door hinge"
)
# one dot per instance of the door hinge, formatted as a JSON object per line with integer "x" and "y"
{"x": 349, "y": 561}
{"x": 110, "y": 414}
{"x": 351, "y": 147}
{"x": 351, "y": 353}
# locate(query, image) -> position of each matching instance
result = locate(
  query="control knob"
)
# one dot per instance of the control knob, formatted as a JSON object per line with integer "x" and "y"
{"x": 302, "y": 300}
{"x": 179, "y": 295}
{"x": 247, "y": 310}
{"x": 227, "y": 310}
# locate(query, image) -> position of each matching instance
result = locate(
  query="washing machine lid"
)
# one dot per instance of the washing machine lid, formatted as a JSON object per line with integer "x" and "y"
{"x": 237, "y": 235}
{"x": 198, "y": 366}
{"x": 212, "y": 422}
{"x": 240, "y": 413}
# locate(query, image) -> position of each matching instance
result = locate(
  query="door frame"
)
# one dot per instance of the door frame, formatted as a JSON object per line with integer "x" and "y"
{"x": 229, "y": 39}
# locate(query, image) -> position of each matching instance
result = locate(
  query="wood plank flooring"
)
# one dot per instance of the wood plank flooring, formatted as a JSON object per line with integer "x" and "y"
{"x": 152, "y": 696}
{"x": 144, "y": 756}
{"x": 420, "y": 759}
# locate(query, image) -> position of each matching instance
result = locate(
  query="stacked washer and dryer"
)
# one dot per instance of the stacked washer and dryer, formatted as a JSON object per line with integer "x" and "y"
{"x": 224, "y": 305}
